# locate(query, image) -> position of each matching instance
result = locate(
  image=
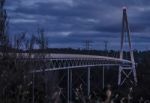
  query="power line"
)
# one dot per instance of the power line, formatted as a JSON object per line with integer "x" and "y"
{"x": 88, "y": 44}
{"x": 105, "y": 45}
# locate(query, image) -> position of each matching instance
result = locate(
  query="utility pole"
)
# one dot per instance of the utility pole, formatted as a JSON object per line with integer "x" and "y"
{"x": 106, "y": 45}
{"x": 87, "y": 44}
{"x": 87, "y": 47}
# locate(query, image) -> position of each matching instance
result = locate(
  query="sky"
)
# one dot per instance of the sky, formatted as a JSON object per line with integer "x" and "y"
{"x": 68, "y": 23}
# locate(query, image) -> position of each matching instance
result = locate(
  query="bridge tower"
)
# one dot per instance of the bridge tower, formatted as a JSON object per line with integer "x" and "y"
{"x": 125, "y": 72}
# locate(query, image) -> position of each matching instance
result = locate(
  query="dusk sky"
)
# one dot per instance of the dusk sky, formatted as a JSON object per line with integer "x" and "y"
{"x": 68, "y": 23}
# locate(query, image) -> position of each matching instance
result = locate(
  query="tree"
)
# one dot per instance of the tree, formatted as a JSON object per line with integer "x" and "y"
{"x": 41, "y": 40}
{"x": 30, "y": 43}
{"x": 19, "y": 40}
{"x": 4, "y": 38}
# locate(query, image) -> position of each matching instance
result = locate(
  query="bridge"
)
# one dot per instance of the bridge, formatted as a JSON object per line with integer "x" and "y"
{"x": 56, "y": 62}
{"x": 70, "y": 62}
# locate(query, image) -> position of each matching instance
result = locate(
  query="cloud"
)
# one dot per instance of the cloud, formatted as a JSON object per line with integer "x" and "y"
{"x": 70, "y": 22}
{"x": 22, "y": 21}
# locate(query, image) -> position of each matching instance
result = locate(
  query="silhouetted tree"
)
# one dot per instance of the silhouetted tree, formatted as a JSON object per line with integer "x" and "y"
{"x": 30, "y": 43}
{"x": 41, "y": 40}
{"x": 4, "y": 37}
{"x": 19, "y": 40}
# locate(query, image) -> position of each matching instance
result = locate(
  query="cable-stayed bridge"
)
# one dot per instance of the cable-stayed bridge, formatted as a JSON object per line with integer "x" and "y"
{"x": 42, "y": 63}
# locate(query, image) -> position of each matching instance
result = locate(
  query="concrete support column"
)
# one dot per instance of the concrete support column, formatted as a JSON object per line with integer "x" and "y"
{"x": 33, "y": 76}
{"x": 68, "y": 79}
{"x": 70, "y": 85}
{"x": 89, "y": 81}
{"x": 103, "y": 84}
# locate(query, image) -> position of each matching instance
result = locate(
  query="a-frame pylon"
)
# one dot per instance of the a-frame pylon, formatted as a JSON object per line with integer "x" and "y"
{"x": 125, "y": 72}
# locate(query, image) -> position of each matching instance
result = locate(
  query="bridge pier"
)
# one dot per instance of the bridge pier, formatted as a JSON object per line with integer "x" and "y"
{"x": 125, "y": 73}
{"x": 68, "y": 97}
{"x": 69, "y": 86}
{"x": 119, "y": 75}
{"x": 103, "y": 84}
{"x": 89, "y": 81}
{"x": 33, "y": 77}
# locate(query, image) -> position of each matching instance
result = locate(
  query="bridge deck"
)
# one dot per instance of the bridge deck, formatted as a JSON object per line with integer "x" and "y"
{"x": 55, "y": 61}
{"x": 64, "y": 56}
